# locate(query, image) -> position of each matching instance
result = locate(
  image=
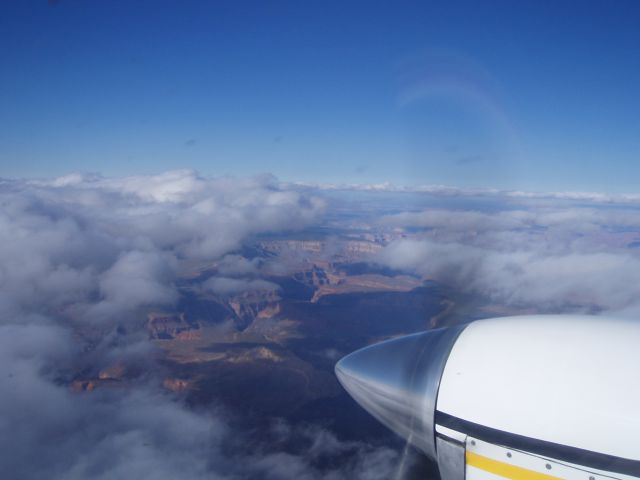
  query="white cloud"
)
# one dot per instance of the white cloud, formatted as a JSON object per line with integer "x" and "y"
{"x": 82, "y": 253}
{"x": 451, "y": 191}
{"x": 551, "y": 259}
{"x": 79, "y": 255}
{"x": 79, "y": 237}
{"x": 48, "y": 432}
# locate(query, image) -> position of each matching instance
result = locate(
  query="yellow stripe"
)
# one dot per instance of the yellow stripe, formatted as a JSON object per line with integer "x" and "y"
{"x": 504, "y": 469}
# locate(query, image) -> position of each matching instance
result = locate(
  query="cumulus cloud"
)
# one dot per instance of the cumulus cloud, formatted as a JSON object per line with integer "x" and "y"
{"x": 316, "y": 450}
{"x": 48, "y": 432}
{"x": 237, "y": 265}
{"x": 194, "y": 217}
{"x": 549, "y": 258}
{"x": 80, "y": 257}
{"x": 138, "y": 279}
{"x": 116, "y": 242}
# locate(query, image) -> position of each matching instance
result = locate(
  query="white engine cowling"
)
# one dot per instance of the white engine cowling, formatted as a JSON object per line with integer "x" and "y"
{"x": 551, "y": 395}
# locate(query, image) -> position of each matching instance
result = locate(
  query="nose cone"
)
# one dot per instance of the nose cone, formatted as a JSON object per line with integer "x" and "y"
{"x": 397, "y": 382}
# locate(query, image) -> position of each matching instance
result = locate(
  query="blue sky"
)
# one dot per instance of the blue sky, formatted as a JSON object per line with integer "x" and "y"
{"x": 528, "y": 95}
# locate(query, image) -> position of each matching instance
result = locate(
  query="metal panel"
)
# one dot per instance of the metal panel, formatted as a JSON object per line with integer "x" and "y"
{"x": 488, "y": 461}
{"x": 451, "y": 459}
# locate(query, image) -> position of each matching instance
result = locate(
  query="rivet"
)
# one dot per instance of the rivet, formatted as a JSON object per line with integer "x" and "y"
{"x": 548, "y": 465}
{"x": 592, "y": 477}
{"x": 473, "y": 442}
{"x": 509, "y": 454}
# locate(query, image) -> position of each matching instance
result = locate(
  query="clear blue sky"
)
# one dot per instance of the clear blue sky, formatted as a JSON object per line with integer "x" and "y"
{"x": 537, "y": 95}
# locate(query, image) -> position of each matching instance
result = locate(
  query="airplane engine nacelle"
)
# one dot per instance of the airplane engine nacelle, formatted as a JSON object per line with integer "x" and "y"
{"x": 531, "y": 397}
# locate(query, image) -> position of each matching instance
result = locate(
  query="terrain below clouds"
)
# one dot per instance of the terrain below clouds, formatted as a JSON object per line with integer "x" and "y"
{"x": 177, "y": 325}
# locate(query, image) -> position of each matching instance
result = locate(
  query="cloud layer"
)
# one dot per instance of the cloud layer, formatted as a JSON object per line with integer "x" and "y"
{"x": 79, "y": 257}
{"x": 551, "y": 259}
{"x": 82, "y": 256}
{"x": 115, "y": 244}
{"x": 451, "y": 191}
